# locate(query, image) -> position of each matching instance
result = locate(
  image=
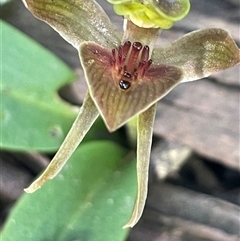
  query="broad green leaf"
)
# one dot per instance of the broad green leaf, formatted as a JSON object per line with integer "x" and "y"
{"x": 121, "y": 89}
{"x": 90, "y": 200}
{"x": 76, "y": 21}
{"x": 33, "y": 117}
{"x": 200, "y": 53}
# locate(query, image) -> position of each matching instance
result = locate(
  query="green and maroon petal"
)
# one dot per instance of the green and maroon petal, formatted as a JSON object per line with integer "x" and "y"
{"x": 76, "y": 20}
{"x": 200, "y": 53}
{"x": 123, "y": 82}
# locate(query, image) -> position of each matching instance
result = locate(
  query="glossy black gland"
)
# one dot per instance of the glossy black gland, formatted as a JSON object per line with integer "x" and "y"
{"x": 124, "y": 85}
{"x": 130, "y": 62}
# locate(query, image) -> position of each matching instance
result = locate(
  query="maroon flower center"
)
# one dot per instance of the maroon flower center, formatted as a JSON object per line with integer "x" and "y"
{"x": 130, "y": 62}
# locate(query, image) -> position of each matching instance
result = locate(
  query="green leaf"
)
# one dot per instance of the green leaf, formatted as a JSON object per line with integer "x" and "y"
{"x": 33, "y": 117}
{"x": 91, "y": 199}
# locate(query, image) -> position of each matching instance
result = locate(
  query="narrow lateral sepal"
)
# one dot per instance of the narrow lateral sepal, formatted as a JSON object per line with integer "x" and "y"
{"x": 144, "y": 140}
{"x": 86, "y": 117}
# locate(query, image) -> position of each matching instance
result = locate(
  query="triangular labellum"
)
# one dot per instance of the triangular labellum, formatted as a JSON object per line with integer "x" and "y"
{"x": 124, "y": 82}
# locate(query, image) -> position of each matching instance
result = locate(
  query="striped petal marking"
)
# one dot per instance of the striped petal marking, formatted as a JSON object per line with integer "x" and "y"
{"x": 125, "y": 82}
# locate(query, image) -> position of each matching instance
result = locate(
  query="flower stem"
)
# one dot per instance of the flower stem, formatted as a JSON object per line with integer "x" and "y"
{"x": 133, "y": 33}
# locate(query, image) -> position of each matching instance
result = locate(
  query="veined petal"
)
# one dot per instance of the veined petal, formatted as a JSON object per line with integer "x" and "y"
{"x": 144, "y": 139}
{"x": 76, "y": 20}
{"x": 121, "y": 93}
{"x": 200, "y": 53}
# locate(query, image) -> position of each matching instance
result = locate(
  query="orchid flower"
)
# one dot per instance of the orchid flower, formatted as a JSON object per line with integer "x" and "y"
{"x": 125, "y": 74}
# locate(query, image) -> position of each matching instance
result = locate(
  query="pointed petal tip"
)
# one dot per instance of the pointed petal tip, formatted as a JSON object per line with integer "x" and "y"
{"x": 136, "y": 215}
{"x": 128, "y": 225}
{"x": 32, "y": 188}
{"x": 132, "y": 222}
{"x": 112, "y": 126}
{"x": 26, "y": 190}
{"x": 25, "y": 3}
{"x": 38, "y": 183}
